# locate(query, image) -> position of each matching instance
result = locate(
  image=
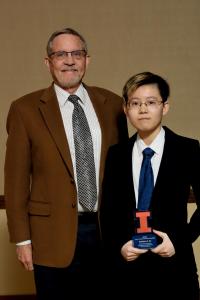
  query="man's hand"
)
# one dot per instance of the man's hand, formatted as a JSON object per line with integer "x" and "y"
{"x": 24, "y": 255}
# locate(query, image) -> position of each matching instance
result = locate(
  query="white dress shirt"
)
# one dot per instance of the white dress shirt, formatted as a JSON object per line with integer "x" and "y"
{"x": 137, "y": 156}
{"x": 66, "y": 109}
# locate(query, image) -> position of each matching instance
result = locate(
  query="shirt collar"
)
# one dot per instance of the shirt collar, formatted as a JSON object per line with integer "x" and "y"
{"x": 156, "y": 145}
{"x": 63, "y": 95}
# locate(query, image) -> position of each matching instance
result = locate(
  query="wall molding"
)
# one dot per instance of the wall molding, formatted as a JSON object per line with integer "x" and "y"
{"x": 18, "y": 297}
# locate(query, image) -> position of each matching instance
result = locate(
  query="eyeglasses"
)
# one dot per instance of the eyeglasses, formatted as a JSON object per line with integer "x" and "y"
{"x": 61, "y": 55}
{"x": 151, "y": 104}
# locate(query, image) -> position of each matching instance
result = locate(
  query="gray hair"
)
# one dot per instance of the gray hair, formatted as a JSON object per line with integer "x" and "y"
{"x": 64, "y": 31}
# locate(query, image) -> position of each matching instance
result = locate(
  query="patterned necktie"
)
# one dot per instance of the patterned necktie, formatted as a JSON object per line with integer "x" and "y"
{"x": 85, "y": 166}
{"x": 146, "y": 181}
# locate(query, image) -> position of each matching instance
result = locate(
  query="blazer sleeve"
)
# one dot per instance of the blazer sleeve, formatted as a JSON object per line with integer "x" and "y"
{"x": 17, "y": 176}
{"x": 113, "y": 214}
{"x": 194, "y": 223}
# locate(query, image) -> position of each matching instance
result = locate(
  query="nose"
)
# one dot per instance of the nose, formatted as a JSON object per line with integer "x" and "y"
{"x": 143, "y": 107}
{"x": 69, "y": 60}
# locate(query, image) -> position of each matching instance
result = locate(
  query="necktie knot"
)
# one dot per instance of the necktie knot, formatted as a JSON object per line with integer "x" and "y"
{"x": 148, "y": 153}
{"x": 73, "y": 99}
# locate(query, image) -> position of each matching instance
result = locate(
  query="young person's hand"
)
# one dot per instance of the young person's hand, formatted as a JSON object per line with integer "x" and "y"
{"x": 129, "y": 252}
{"x": 166, "y": 248}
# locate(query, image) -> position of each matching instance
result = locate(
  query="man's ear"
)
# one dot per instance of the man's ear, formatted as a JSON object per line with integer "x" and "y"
{"x": 47, "y": 63}
{"x": 88, "y": 58}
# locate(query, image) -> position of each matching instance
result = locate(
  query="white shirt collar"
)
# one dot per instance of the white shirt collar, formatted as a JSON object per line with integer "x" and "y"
{"x": 156, "y": 145}
{"x": 63, "y": 95}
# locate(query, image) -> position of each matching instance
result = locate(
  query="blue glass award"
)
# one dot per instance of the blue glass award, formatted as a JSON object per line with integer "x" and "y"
{"x": 144, "y": 238}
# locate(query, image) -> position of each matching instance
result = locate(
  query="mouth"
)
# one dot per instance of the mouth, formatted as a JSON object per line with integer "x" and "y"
{"x": 144, "y": 118}
{"x": 69, "y": 70}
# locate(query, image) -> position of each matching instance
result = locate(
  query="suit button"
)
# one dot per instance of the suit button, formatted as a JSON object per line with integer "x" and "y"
{"x": 72, "y": 181}
{"x": 73, "y": 205}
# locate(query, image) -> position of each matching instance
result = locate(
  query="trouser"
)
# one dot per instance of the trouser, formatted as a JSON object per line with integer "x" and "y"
{"x": 81, "y": 278}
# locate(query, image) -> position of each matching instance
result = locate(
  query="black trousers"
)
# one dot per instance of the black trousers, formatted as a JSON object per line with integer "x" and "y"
{"x": 81, "y": 278}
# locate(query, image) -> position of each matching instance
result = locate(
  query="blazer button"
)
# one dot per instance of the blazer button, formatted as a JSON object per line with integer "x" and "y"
{"x": 72, "y": 181}
{"x": 73, "y": 205}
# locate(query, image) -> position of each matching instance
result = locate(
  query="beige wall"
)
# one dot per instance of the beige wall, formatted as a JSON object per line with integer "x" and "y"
{"x": 124, "y": 37}
{"x": 13, "y": 278}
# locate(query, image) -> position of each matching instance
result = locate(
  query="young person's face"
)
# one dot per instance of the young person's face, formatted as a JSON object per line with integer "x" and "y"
{"x": 145, "y": 110}
{"x": 67, "y": 71}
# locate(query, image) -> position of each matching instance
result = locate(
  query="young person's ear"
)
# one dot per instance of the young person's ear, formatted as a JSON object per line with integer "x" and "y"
{"x": 165, "y": 108}
{"x": 125, "y": 108}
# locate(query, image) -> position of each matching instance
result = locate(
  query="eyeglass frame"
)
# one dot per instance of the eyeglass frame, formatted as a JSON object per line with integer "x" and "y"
{"x": 147, "y": 103}
{"x": 66, "y": 53}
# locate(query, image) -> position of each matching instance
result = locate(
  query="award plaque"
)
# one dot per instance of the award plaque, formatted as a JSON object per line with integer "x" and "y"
{"x": 144, "y": 238}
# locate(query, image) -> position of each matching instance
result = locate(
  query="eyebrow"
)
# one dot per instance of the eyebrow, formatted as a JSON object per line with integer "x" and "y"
{"x": 147, "y": 98}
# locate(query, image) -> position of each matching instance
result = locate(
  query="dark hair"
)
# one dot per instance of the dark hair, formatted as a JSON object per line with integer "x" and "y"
{"x": 134, "y": 82}
{"x": 64, "y": 31}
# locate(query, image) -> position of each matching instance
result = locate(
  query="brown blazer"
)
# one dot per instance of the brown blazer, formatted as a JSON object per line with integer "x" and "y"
{"x": 40, "y": 191}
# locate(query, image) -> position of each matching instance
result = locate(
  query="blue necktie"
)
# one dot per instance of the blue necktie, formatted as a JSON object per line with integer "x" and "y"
{"x": 146, "y": 181}
{"x": 84, "y": 154}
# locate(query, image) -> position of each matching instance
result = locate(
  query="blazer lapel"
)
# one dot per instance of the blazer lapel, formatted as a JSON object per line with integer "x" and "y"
{"x": 166, "y": 166}
{"x": 129, "y": 170}
{"x": 52, "y": 117}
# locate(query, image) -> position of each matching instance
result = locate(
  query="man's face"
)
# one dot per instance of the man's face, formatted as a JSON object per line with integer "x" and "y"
{"x": 67, "y": 71}
{"x": 145, "y": 109}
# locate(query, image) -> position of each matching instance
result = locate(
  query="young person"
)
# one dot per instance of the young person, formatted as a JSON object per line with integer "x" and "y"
{"x": 166, "y": 270}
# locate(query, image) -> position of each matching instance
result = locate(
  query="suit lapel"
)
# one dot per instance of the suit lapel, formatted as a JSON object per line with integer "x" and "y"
{"x": 129, "y": 170}
{"x": 52, "y": 117}
{"x": 166, "y": 166}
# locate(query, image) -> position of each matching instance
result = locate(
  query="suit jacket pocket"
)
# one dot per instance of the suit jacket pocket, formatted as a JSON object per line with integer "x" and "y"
{"x": 39, "y": 208}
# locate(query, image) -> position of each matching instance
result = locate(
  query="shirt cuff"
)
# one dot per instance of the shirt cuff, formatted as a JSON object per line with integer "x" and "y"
{"x": 23, "y": 243}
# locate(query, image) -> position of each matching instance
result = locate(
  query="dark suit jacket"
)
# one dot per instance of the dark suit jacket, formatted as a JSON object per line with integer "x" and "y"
{"x": 40, "y": 192}
{"x": 179, "y": 170}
